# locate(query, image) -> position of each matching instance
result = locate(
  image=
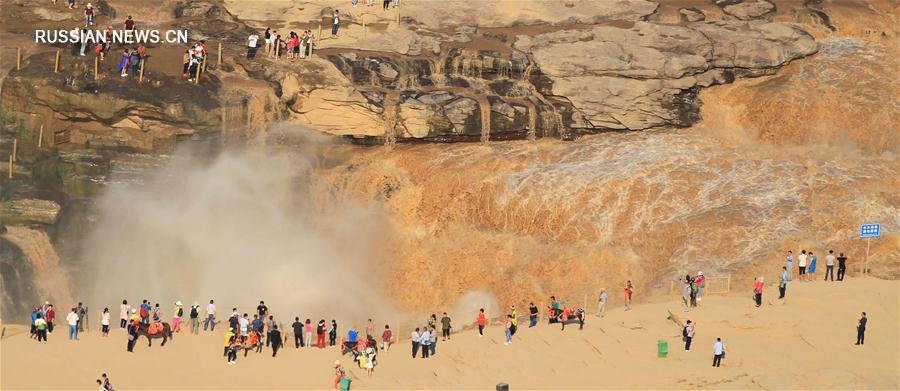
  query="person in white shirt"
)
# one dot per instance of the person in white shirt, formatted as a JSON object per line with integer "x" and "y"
{"x": 104, "y": 322}
{"x": 72, "y": 320}
{"x": 244, "y": 325}
{"x": 124, "y": 309}
{"x": 210, "y": 317}
{"x": 425, "y": 342}
{"x": 801, "y": 264}
{"x": 829, "y": 265}
{"x": 718, "y": 352}
{"x": 251, "y": 45}
{"x": 415, "y": 338}
{"x": 790, "y": 263}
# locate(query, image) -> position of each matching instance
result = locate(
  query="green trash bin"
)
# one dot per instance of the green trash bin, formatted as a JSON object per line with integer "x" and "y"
{"x": 662, "y": 348}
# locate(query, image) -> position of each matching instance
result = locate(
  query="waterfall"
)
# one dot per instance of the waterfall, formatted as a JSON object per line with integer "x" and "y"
{"x": 50, "y": 278}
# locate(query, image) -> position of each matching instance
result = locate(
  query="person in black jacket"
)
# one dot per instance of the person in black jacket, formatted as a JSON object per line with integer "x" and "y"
{"x": 132, "y": 335}
{"x": 275, "y": 336}
{"x": 861, "y": 330}
{"x": 298, "y": 332}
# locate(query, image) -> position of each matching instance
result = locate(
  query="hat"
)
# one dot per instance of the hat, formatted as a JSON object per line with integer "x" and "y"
{"x": 178, "y": 302}
{"x": 90, "y": 6}
{"x": 133, "y": 311}
{"x": 699, "y": 273}
{"x": 337, "y": 362}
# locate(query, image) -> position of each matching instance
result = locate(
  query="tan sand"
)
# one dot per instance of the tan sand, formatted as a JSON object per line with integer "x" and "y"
{"x": 805, "y": 342}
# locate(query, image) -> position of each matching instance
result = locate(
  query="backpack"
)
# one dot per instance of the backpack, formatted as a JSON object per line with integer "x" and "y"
{"x": 180, "y": 312}
{"x": 144, "y": 312}
{"x": 194, "y": 312}
{"x": 684, "y": 332}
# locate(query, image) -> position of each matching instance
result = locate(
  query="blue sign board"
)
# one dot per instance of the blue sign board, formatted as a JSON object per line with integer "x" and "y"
{"x": 870, "y": 230}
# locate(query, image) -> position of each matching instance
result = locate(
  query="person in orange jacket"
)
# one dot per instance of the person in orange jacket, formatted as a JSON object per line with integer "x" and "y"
{"x": 481, "y": 322}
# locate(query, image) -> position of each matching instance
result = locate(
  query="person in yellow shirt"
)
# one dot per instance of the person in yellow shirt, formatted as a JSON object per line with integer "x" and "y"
{"x": 229, "y": 338}
{"x": 134, "y": 316}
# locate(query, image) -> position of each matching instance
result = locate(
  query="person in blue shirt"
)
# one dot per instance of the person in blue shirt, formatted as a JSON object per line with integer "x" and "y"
{"x": 812, "y": 267}
{"x": 34, "y": 316}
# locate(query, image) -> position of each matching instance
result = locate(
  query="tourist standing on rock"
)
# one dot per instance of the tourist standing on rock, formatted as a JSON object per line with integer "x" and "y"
{"x": 129, "y": 23}
{"x": 601, "y": 305}
{"x": 40, "y": 328}
{"x": 415, "y": 337}
{"x": 275, "y": 335}
{"x": 533, "y": 312}
{"x": 629, "y": 291}
{"x": 177, "y": 314}
{"x": 790, "y": 263}
{"x": 688, "y": 334}
{"x": 387, "y": 3}
{"x": 861, "y": 330}
{"x": 718, "y": 352}
{"x": 445, "y": 327}
{"x": 782, "y": 284}
{"x": 842, "y": 266}
{"x": 88, "y": 15}
{"x": 123, "y": 63}
{"x": 104, "y": 322}
{"x": 251, "y": 45}
{"x": 801, "y": 265}
{"x": 34, "y": 315}
{"x": 271, "y": 42}
{"x": 386, "y": 338}
{"x": 210, "y": 317}
{"x": 267, "y": 36}
{"x": 425, "y": 342}
{"x": 195, "y": 321}
{"x": 758, "y": 290}
{"x": 71, "y": 4}
{"x": 335, "y": 24}
{"x": 135, "y": 61}
{"x": 482, "y": 319}
{"x": 829, "y": 265}
{"x": 508, "y": 330}
{"x": 72, "y": 320}
{"x": 124, "y": 308}
{"x": 297, "y": 326}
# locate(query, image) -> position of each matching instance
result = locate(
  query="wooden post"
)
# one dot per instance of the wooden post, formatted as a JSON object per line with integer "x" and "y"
{"x": 97, "y": 68}
{"x": 10, "y": 166}
{"x": 18, "y": 67}
{"x": 866, "y": 262}
{"x": 219, "y": 62}
{"x": 41, "y": 136}
{"x": 398, "y": 14}
{"x": 277, "y": 48}
{"x": 318, "y": 37}
{"x": 15, "y": 149}
{"x": 56, "y": 64}
{"x": 141, "y": 76}
{"x": 200, "y": 70}
{"x": 363, "y": 17}
{"x": 728, "y": 283}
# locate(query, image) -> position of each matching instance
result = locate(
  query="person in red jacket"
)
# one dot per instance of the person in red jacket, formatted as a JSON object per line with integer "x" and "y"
{"x": 758, "y": 290}
{"x": 481, "y": 321}
{"x": 50, "y": 316}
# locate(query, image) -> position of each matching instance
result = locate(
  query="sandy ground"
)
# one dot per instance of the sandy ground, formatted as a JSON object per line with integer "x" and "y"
{"x": 804, "y": 342}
